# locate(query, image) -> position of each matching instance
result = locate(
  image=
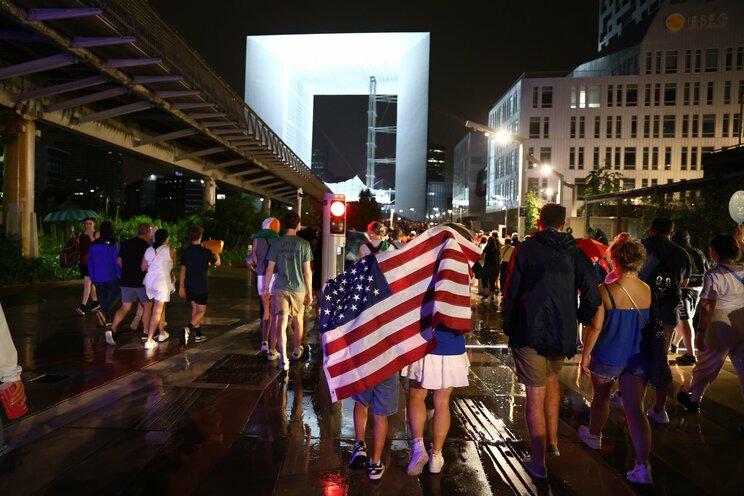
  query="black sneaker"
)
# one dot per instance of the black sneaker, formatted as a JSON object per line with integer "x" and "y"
{"x": 93, "y": 306}
{"x": 81, "y": 309}
{"x": 200, "y": 338}
{"x": 686, "y": 360}
{"x": 375, "y": 470}
{"x": 358, "y": 456}
{"x": 684, "y": 400}
{"x": 673, "y": 348}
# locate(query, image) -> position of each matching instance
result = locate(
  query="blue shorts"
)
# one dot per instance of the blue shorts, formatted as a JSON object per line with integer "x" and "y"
{"x": 638, "y": 368}
{"x": 383, "y": 398}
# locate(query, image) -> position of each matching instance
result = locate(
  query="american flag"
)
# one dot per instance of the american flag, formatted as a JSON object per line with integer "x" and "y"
{"x": 379, "y": 315}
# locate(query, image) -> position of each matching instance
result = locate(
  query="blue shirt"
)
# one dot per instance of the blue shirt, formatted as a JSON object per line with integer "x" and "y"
{"x": 448, "y": 342}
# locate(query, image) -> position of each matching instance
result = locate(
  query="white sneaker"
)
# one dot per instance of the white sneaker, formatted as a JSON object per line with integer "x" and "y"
{"x": 272, "y": 355}
{"x": 150, "y": 345}
{"x": 436, "y": 461}
{"x": 163, "y": 336}
{"x": 661, "y": 417}
{"x": 641, "y": 474}
{"x": 284, "y": 365}
{"x": 110, "y": 338}
{"x": 419, "y": 458}
{"x": 591, "y": 440}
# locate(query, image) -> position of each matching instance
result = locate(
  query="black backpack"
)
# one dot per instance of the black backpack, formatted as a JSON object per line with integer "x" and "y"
{"x": 70, "y": 255}
{"x": 663, "y": 281}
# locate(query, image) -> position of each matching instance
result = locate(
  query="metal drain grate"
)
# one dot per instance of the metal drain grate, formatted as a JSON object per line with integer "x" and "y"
{"x": 235, "y": 369}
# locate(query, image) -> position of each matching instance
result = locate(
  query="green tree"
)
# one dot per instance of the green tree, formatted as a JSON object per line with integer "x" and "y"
{"x": 534, "y": 204}
{"x": 603, "y": 180}
{"x": 360, "y": 213}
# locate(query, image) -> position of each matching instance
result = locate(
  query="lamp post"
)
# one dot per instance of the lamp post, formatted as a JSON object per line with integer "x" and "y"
{"x": 503, "y": 137}
{"x": 546, "y": 169}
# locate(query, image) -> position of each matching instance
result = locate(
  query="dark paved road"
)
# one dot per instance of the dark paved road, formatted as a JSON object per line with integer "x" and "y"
{"x": 215, "y": 419}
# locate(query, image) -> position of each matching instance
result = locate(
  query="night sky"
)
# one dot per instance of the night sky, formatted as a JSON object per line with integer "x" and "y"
{"x": 478, "y": 50}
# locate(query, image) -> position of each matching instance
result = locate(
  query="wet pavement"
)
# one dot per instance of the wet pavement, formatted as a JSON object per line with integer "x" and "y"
{"x": 216, "y": 418}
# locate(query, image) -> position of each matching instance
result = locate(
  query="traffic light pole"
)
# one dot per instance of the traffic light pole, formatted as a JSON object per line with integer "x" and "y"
{"x": 334, "y": 236}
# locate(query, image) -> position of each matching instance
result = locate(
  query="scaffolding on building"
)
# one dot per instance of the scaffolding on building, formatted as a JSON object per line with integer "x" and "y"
{"x": 373, "y": 129}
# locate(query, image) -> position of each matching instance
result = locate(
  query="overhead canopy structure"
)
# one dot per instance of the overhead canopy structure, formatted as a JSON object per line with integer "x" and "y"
{"x": 285, "y": 72}
{"x": 115, "y": 71}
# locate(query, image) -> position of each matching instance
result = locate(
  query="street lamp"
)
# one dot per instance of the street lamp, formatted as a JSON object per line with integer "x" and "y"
{"x": 546, "y": 169}
{"x": 503, "y": 137}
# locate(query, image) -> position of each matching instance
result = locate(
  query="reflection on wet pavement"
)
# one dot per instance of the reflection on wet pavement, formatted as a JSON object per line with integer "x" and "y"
{"x": 218, "y": 419}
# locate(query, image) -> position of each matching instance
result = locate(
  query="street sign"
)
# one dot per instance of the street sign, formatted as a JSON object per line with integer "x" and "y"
{"x": 523, "y": 211}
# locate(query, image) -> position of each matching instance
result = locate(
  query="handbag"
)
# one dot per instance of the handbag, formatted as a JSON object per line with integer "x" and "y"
{"x": 660, "y": 375}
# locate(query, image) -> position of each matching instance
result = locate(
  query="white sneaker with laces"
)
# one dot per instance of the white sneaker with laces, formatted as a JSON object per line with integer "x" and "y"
{"x": 436, "y": 461}
{"x": 419, "y": 458}
{"x": 591, "y": 440}
{"x": 110, "y": 338}
{"x": 641, "y": 474}
{"x": 661, "y": 417}
{"x": 149, "y": 345}
{"x": 163, "y": 336}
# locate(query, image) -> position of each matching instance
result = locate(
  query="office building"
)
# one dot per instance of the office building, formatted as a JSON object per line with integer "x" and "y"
{"x": 648, "y": 110}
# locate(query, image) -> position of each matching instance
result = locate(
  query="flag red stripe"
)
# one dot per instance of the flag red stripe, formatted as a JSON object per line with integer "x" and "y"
{"x": 378, "y": 349}
{"x": 396, "y": 259}
{"x": 426, "y": 272}
{"x": 364, "y": 330}
{"x": 383, "y": 373}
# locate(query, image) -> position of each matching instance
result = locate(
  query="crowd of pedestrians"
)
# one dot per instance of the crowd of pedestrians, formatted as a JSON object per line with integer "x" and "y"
{"x": 140, "y": 271}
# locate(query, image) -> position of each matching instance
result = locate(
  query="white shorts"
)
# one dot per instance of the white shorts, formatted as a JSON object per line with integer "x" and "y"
{"x": 261, "y": 284}
{"x": 439, "y": 371}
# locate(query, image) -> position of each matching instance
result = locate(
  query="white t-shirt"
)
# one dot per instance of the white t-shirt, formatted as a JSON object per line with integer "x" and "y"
{"x": 364, "y": 249}
{"x": 721, "y": 285}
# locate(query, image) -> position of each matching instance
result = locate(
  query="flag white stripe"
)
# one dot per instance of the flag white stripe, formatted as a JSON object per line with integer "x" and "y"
{"x": 381, "y": 361}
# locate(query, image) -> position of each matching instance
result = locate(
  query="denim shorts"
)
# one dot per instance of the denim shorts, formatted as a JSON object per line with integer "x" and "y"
{"x": 638, "y": 368}
{"x": 132, "y": 295}
{"x": 383, "y": 398}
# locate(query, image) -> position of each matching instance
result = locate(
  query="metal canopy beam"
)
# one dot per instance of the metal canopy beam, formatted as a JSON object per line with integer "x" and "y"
{"x": 82, "y": 100}
{"x": 229, "y": 132}
{"x": 201, "y": 153}
{"x": 217, "y": 124}
{"x": 207, "y": 115}
{"x": 176, "y": 93}
{"x": 253, "y": 173}
{"x": 56, "y": 14}
{"x": 115, "y": 112}
{"x": 38, "y": 65}
{"x": 62, "y": 88}
{"x": 99, "y": 41}
{"x": 166, "y": 137}
{"x": 119, "y": 63}
{"x": 166, "y": 78}
{"x": 229, "y": 163}
{"x": 191, "y": 105}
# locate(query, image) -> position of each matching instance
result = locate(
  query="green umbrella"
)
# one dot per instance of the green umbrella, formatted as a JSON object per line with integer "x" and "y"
{"x": 70, "y": 215}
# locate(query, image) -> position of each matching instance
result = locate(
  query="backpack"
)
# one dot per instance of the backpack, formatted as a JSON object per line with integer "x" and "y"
{"x": 70, "y": 255}
{"x": 663, "y": 281}
{"x": 261, "y": 254}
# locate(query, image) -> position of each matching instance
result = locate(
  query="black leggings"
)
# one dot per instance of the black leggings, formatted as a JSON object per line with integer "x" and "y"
{"x": 491, "y": 275}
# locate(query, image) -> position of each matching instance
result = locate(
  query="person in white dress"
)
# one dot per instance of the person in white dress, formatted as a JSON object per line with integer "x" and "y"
{"x": 159, "y": 282}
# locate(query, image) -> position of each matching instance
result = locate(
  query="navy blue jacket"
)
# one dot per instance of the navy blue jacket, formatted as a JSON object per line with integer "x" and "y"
{"x": 541, "y": 309}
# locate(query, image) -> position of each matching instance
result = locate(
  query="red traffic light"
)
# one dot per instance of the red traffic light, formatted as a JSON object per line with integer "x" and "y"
{"x": 338, "y": 208}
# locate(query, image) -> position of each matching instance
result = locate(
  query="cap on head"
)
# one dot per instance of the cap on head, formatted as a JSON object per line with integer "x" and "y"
{"x": 271, "y": 223}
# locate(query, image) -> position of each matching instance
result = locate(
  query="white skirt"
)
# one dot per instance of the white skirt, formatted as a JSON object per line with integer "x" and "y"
{"x": 439, "y": 371}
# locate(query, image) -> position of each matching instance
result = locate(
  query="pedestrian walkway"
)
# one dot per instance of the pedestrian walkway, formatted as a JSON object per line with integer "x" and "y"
{"x": 217, "y": 419}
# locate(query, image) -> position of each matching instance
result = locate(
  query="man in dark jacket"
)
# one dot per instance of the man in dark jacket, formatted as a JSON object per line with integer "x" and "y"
{"x": 546, "y": 273}
{"x": 668, "y": 262}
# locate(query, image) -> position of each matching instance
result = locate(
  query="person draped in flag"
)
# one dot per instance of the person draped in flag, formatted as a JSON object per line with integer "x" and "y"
{"x": 444, "y": 369}
{"x": 382, "y": 398}
{"x": 540, "y": 317}
{"x": 381, "y": 313}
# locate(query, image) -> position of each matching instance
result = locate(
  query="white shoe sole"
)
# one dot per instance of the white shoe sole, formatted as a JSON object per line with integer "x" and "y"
{"x": 417, "y": 466}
